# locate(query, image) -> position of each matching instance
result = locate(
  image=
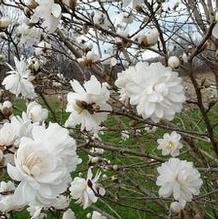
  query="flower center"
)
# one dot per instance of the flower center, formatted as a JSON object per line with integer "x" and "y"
{"x": 170, "y": 145}
{"x": 32, "y": 165}
{"x": 90, "y": 107}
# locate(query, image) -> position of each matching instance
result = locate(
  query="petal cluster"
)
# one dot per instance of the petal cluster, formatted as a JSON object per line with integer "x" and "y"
{"x": 85, "y": 191}
{"x": 156, "y": 90}
{"x": 49, "y": 12}
{"x": 170, "y": 144}
{"x": 179, "y": 179}
{"x": 19, "y": 80}
{"x": 43, "y": 164}
{"x": 85, "y": 102}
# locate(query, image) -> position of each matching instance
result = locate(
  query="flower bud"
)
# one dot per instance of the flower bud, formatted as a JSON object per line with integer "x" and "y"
{"x": 6, "y": 109}
{"x": 174, "y": 62}
{"x": 4, "y": 22}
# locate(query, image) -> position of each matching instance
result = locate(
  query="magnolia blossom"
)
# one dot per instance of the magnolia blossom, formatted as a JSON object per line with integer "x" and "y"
{"x": 156, "y": 90}
{"x": 33, "y": 64}
{"x": 43, "y": 164}
{"x": 148, "y": 39}
{"x": 19, "y": 80}
{"x": 170, "y": 144}
{"x": 85, "y": 190}
{"x": 84, "y": 103}
{"x": 69, "y": 214}
{"x": 6, "y": 108}
{"x": 97, "y": 215}
{"x": 88, "y": 59}
{"x": 173, "y": 62}
{"x": 18, "y": 127}
{"x": 50, "y": 12}
{"x": 4, "y": 22}
{"x": 180, "y": 179}
{"x": 36, "y": 113}
{"x": 7, "y": 135}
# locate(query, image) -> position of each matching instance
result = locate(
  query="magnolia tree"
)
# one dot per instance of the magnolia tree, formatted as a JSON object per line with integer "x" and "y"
{"x": 135, "y": 136}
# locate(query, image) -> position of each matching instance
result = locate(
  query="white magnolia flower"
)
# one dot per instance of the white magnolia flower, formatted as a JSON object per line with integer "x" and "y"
{"x": 69, "y": 214}
{"x": 18, "y": 127}
{"x": 4, "y": 22}
{"x": 88, "y": 59}
{"x": 6, "y": 108}
{"x": 50, "y": 12}
{"x": 19, "y": 80}
{"x": 148, "y": 39}
{"x": 43, "y": 165}
{"x": 28, "y": 34}
{"x": 180, "y": 179}
{"x": 97, "y": 215}
{"x": 33, "y": 64}
{"x": 8, "y": 135}
{"x": 85, "y": 190}
{"x": 85, "y": 101}
{"x": 36, "y": 113}
{"x": 170, "y": 144}
{"x": 21, "y": 127}
{"x": 156, "y": 90}
{"x": 173, "y": 62}
{"x": 6, "y": 104}
{"x": 133, "y": 2}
